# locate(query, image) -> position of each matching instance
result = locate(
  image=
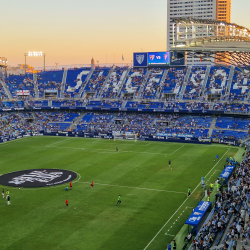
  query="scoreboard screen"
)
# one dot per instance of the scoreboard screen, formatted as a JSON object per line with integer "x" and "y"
{"x": 158, "y": 58}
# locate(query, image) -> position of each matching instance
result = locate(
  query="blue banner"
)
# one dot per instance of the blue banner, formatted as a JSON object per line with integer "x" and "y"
{"x": 174, "y": 135}
{"x": 228, "y": 141}
{"x": 227, "y": 172}
{"x": 198, "y": 213}
{"x": 175, "y": 139}
{"x": 140, "y": 59}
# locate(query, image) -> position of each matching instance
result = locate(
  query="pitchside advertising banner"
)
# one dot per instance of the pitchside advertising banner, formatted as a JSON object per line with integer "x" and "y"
{"x": 228, "y": 141}
{"x": 154, "y": 59}
{"x": 174, "y": 138}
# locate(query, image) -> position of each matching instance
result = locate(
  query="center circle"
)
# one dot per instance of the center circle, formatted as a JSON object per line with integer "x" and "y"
{"x": 35, "y": 178}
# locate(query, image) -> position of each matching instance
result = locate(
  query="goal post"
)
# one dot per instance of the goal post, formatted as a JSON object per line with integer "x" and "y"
{"x": 132, "y": 137}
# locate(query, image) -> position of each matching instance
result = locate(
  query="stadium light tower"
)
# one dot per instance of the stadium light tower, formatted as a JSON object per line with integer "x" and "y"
{"x": 3, "y": 62}
{"x": 34, "y": 53}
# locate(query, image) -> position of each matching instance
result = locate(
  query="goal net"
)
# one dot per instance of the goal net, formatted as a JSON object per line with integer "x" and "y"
{"x": 125, "y": 137}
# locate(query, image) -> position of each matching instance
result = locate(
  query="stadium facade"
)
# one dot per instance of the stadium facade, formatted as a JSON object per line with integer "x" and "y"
{"x": 203, "y": 9}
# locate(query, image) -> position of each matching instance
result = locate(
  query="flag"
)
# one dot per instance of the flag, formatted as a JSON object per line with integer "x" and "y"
{"x": 122, "y": 58}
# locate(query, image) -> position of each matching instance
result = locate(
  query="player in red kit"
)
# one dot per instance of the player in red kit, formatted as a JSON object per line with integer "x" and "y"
{"x": 92, "y": 185}
{"x": 67, "y": 203}
{"x": 70, "y": 185}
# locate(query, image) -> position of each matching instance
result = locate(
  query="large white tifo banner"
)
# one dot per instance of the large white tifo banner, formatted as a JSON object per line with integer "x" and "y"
{"x": 23, "y": 92}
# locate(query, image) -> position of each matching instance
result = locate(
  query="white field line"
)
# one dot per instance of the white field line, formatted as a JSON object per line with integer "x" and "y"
{"x": 105, "y": 141}
{"x": 169, "y": 234}
{"x": 148, "y": 144}
{"x": 177, "y": 149}
{"x": 114, "y": 151}
{"x": 79, "y": 177}
{"x": 182, "y": 204}
{"x": 149, "y": 189}
{"x": 57, "y": 142}
{"x": 14, "y": 141}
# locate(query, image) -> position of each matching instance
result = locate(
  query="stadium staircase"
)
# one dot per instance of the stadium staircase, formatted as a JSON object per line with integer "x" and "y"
{"x": 34, "y": 116}
{"x": 230, "y": 79}
{"x": 35, "y": 85}
{"x": 85, "y": 82}
{"x": 23, "y": 120}
{"x": 158, "y": 94}
{"x": 212, "y": 126}
{"x": 122, "y": 82}
{"x": 76, "y": 121}
{"x": 124, "y": 104}
{"x": 142, "y": 86}
{"x": 106, "y": 82}
{"x": 6, "y": 89}
{"x": 50, "y": 103}
{"x": 211, "y": 105}
{"x": 243, "y": 142}
{"x": 205, "y": 81}
{"x": 63, "y": 82}
{"x": 184, "y": 85}
{"x": 248, "y": 97}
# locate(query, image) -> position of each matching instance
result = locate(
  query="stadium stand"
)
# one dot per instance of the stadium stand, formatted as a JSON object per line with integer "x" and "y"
{"x": 74, "y": 81}
{"x": 227, "y": 225}
{"x": 126, "y": 89}
{"x": 16, "y": 82}
{"x": 48, "y": 81}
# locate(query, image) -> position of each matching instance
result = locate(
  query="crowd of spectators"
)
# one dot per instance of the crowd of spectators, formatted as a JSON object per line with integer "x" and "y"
{"x": 229, "y": 218}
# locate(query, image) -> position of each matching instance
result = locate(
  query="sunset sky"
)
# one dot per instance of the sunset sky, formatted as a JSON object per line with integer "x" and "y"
{"x": 71, "y": 32}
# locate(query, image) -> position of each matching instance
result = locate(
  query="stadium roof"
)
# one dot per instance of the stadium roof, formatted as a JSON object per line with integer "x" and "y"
{"x": 215, "y": 46}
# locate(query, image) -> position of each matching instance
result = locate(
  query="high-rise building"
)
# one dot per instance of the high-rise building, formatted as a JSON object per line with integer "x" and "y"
{"x": 223, "y": 10}
{"x": 200, "y": 9}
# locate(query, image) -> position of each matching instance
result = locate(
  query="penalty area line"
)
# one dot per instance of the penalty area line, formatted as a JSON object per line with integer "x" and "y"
{"x": 57, "y": 142}
{"x": 182, "y": 204}
{"x": 149, "y": 189}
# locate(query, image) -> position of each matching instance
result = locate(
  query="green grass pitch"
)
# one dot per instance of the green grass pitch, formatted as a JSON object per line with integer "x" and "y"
{"x": 154, "y": 197}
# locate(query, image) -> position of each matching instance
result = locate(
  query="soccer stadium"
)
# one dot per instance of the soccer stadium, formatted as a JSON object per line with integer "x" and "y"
{"x": 150, "y": 155}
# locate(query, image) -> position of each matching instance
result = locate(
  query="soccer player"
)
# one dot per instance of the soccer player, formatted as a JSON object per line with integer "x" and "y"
{"x": 3, "y": 193}
{"x": 119, "y": 200}
{"x": 211, "y": 186}
{"x": 8, "y": 200}
{"x": 92, "y": 185}
{"x": 169, "y": 246}
{"x": 70, "y": 185}
{"x": 189, "y": 191}
{"x": 169, "y": 163}
{"x": 174, "y": 247}
{"x": 7, "y": 193}
{"x": 117, "y": 149}
{"x": 217, "y": 157}
{"x": 67, "y": 203}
